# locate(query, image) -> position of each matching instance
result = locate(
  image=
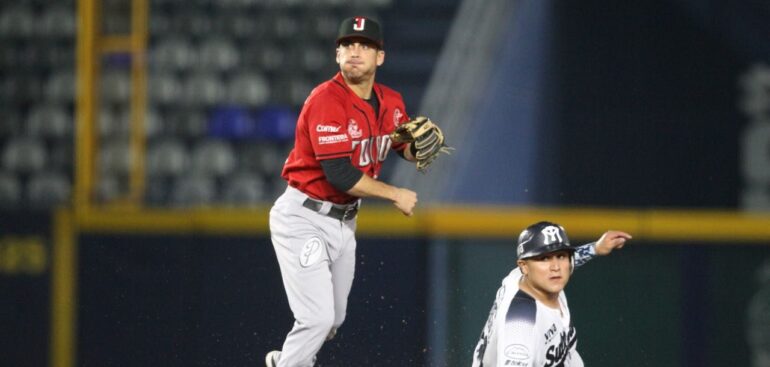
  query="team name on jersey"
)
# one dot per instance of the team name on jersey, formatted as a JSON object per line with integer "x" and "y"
{"x": 556, "y": 354}
{"x": 381, "y": 144}
{"x": 550, "y": 333}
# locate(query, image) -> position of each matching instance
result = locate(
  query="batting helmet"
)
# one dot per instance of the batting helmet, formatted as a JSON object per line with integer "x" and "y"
{"x": 542, "y": 238}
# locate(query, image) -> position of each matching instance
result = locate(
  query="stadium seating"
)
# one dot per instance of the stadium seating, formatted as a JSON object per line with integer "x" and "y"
{"x": 206, "y": 59}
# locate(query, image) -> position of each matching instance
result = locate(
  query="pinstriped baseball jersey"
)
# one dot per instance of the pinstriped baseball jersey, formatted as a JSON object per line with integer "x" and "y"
{"x": 523, "y": 332}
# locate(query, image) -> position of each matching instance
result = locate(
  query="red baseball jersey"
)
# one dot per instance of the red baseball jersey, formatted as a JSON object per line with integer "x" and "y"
{"x": 336, "y": 123}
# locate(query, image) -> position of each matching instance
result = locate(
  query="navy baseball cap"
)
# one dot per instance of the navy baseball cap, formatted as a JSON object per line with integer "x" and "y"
{"x": 363, "y": 27}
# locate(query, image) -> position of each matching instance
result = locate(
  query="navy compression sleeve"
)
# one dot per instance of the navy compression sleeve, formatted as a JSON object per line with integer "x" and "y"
{"x": 341, "y": 173}
{"x": 412, "y": 149}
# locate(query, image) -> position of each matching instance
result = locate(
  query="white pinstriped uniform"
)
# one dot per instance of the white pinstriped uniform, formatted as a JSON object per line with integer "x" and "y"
{"x": 523, "y": 332}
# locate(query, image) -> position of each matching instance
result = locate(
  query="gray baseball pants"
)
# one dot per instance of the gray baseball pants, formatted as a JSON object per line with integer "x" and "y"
{"x": 316, "y": 254}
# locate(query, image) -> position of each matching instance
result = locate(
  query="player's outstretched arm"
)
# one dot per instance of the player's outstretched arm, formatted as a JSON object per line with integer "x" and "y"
{"x": 611, "y": 240}
{"x": 608, "y": 242}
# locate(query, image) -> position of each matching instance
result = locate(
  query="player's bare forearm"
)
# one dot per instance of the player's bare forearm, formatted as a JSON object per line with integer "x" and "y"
{"x": 403, "y": 199}
{"x": 369, "y": 187}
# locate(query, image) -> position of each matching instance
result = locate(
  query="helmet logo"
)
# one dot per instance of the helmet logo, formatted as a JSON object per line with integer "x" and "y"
{"x": 552, "y": 235}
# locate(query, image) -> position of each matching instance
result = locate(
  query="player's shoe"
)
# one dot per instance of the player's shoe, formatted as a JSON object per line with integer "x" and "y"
{"x": 271, "y": 359}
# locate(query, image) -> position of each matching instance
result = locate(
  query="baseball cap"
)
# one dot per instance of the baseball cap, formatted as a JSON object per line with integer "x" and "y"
{"x": 363, "y": 27}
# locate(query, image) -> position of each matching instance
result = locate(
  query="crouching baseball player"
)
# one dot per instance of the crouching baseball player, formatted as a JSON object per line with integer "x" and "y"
{"x": 529, "y": 324}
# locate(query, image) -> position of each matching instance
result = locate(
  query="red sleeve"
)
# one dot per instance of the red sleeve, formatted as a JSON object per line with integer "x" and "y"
{"x": 399, "y": 115}
{"x": 327, "y": 126}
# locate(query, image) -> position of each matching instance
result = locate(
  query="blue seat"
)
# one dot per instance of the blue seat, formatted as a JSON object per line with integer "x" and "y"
{"x": 276, "y": 123}
{"x": 232, "y": 122}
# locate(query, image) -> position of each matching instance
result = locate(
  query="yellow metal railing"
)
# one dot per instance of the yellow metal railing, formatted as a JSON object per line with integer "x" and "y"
{"x": 88, "y": 69}
{"x": 91, "y": 45}
{"x": 452, "y": 221}
{"x": 468, "y": 222}
{"x": 63, "y": 291}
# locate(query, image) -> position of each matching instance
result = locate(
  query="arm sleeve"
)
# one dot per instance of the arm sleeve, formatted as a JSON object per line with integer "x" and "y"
{"x": 584, "y": 254}
{"x": 328, "y": 128}
{"x": 518, "y": 339}
{"x": 412, "y": 150}
{"x": 341, "y": 173}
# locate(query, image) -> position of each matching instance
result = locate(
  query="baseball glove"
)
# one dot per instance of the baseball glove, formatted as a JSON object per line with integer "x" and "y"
{"x": 427, "y": 138}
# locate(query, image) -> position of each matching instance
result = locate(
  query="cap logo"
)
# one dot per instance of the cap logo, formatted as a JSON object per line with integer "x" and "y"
{"x": 551, "y": 234}
{"x": 359, "y": 23}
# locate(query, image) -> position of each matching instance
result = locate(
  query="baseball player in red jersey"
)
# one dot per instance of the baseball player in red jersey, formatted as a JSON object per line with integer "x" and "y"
{"x": 342, "y": 139}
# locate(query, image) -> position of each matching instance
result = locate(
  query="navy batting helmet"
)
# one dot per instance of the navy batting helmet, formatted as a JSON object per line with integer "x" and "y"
{"x": 542, "y": 238}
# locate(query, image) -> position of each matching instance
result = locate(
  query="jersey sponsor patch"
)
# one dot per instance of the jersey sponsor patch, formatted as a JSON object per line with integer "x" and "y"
{"x": 353, "y": 130}
{"x": 517, "y": 352}
{"x": 327, "y": 128}
{"x": 311, "y": 252}
{"x": 332, "y": 139}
